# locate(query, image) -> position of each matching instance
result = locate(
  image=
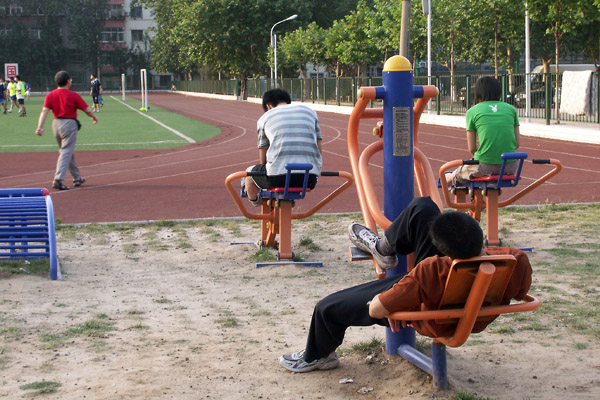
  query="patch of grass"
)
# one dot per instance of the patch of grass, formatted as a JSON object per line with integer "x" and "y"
{"x": 96, "y": 327}
{"x": 365, "y": 347}
{"x": 263, "y": 255}
{"x": 131, "y": 248}
{"x": 309, "y": 244}
{"x": 165, "y": 223}
{"x": 138, "y": 327}
{"x": 52, "y": 340}
{"x": 158, "y": 245}
{"x": 261, "y": 313}
{"x": 162, "y": 300}
{"x": 581, "y": 346}
{"x": 36, "y": 266}
{"x": 504, "y": 330}
{"x": 10, "y": 332}
{"x": 535, "y": 326}
{"x": 228, "y": 322}
{"x": 232, "y": 226}
{"x": 464, "y": 395}
{"x": 40, "y": 388}
{"x": 212, "y": 233}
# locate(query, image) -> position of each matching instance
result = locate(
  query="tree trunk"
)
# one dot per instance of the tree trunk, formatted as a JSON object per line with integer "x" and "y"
{"x": 452, "y": 91}
{"x": 496, "y": 43}
{"x": 557, "y": 45}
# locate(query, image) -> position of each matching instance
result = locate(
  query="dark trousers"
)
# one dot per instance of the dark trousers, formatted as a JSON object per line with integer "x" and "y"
{"x": 335, "y": 313}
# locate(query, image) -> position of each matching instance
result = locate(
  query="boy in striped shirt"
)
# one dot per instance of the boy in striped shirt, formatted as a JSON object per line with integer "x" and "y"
{"x": 287, "y": 133}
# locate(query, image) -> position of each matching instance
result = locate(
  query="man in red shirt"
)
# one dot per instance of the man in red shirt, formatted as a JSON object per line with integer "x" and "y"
{"x": 436, "y": 239}
{"x": 64, "y": 104}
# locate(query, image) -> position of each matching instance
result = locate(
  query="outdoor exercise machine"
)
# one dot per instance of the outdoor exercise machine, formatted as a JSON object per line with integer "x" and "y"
{"x": 483, "y": 193}
{"x": 473, "y": 292}
{"x": 404, "y": 165}
{"x": 27, "y": 229}
{"x": 276, "y": 210}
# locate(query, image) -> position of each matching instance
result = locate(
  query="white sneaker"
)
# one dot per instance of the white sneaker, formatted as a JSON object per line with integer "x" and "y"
{"x": 295, "y": 363}
{"x": 366, "y": 240}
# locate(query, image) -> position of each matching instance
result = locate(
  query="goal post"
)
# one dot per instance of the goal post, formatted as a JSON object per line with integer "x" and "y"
{"x": 144, "y": 89}
{"x": 123, "y": 82}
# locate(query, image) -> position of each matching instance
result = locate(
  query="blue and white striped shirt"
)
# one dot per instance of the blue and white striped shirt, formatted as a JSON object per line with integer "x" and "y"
{"x": 291, "y": 132}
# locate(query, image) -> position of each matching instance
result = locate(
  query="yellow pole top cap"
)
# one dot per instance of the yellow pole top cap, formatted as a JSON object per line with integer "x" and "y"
{"x": 397, "y": 63}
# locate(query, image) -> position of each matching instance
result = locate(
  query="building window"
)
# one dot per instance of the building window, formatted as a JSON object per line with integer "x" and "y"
{"x": 35, "y": 33}
{"x": 15, "y": 10}
{"x": 110, "y": 35}
{"x": 136, "y": 12}
{"x": 116, "y": 11}
{"x": 137, "y": 35}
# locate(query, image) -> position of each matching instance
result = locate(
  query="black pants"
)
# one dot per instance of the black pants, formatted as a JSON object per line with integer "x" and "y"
{"x": 335, "y": 313}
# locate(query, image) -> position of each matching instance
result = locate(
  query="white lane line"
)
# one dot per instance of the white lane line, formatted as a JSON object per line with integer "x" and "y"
{"x": 181, "y": 135}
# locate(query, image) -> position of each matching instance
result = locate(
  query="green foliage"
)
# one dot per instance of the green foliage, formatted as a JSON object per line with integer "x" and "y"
{"x": 263, "y": 255}
{"x": 87, "y": 19}
{"x": 40, "y": 388}
{"x": 464, "y": 395}
{"x": 36, "y": 266}
{"x": 373, "y": 344}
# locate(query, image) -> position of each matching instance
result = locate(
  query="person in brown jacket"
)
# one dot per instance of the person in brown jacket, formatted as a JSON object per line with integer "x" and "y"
{"x": 436, "y": 240}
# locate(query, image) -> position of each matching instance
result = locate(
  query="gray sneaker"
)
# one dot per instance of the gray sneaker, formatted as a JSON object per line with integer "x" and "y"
{"x": 295, "y": 363}
{"x": 366, "y": 240}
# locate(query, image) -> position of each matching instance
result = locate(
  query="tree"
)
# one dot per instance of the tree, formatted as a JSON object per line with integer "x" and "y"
{"x": 293, "y": 47}
{"x": 454, "y": 29}
{"x": 232, "y": 36}
{"x": 355, "y": 46}
{"x": 560, "y": 17}
{"x": 37, "y": 52}
{"x": 87, "y": 18}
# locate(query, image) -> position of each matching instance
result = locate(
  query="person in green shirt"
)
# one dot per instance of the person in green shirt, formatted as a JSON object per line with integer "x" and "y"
{"x": 492, "y": 129}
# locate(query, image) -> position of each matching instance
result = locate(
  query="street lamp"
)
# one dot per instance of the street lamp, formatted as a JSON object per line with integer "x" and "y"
{"x": 427, "y": 11}
{"x": 274, "y": 43}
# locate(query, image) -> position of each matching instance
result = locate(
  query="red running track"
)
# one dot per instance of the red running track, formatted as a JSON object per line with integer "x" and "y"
{"x": 188, "y": 182}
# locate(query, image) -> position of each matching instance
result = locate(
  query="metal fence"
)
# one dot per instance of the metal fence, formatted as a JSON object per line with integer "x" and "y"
{"x": 454, "y": 98}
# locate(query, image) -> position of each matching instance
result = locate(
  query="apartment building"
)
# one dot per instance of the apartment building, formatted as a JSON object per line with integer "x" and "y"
{"x": 128, "y": 27}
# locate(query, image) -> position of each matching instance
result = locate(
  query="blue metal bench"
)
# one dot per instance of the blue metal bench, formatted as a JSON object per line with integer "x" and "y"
{"x": 27, "y": 229}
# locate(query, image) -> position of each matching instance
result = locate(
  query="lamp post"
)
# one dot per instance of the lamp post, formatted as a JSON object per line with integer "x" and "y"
{"x": 274, "y": 43}
{"x": 427, "y": 11}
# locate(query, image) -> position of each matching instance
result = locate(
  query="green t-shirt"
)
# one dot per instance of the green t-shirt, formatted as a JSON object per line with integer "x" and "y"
{"x": 494, "y": 122}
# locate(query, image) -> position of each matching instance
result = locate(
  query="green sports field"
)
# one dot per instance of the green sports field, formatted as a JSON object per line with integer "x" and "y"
{"x": 121, "y": 126}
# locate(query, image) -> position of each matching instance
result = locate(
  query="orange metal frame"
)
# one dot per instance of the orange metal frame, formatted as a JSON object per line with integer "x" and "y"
{"x": 276, "y": 215}
{"x": 369, "y": 203}
{"x": 488, "y": 200}
{"x": 472, "y": 309}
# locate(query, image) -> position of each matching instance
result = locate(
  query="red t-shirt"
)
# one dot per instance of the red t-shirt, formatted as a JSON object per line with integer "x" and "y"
{"x": 64, "y": 103}
{"x": 422, "y": 289}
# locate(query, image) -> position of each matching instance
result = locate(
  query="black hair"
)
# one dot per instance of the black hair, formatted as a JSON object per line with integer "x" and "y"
{"x": 487, "y": 88}
{"x": 274, "y": 97}
{"x": 18, "y": 77}
{"x": 94, "y": 75}
{"x": 62, "y": 78}
{"x": 457, "y": 235}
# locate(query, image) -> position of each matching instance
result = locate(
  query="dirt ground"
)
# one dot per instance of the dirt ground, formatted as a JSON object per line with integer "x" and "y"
{"x": 186, "y": 315}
